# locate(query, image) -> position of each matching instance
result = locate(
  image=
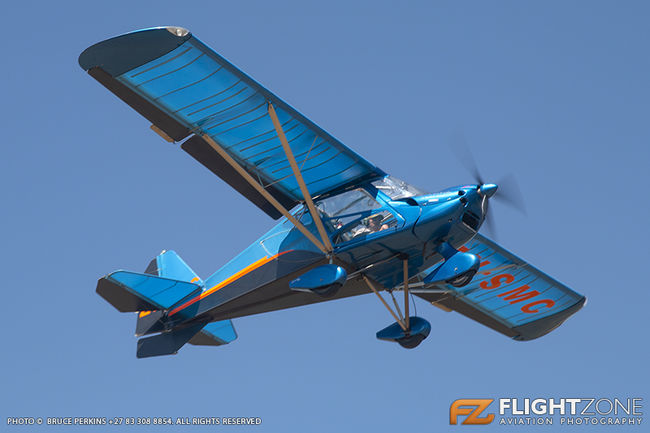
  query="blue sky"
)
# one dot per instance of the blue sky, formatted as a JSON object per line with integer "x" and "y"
{"x": 554, "y": 92}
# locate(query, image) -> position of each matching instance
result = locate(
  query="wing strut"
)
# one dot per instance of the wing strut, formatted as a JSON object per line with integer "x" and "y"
{"x": 265, "y": 193}
{"x": 301, "y": 182}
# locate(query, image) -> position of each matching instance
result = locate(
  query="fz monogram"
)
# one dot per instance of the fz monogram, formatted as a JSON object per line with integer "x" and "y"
{"x": 472, "y": 409}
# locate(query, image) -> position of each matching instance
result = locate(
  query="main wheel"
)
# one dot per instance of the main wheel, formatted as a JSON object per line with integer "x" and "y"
{"x": 419, "y": 330}
{"x": 463, "y": 279}
{"x": 412, "y": 341}
{"x": 329, "y": 291}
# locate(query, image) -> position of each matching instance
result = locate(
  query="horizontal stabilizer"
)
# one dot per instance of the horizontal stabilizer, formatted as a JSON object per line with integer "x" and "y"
{"x": 167, "y": 343}
{"x": 215, "y": 334}
{"x": 122, "y": 298}
{"x": 131, "y": 291}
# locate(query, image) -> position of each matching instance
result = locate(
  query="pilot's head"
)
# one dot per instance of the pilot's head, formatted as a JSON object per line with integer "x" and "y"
{"x": 375, "y": 222}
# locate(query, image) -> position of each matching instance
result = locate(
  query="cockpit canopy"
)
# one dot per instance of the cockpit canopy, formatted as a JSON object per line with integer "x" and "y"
{"x": 360, "y": 200}
{"x": 359, "y": 212}
{"x": 354, "y": 213}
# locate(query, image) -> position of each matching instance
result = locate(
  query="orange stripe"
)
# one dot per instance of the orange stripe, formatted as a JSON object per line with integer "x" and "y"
{"x": 144, "y": 313}
{"x": 228, "y": 280}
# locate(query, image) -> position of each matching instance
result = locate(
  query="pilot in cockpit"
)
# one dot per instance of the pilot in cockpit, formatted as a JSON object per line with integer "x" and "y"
{"x": 375, "y": 225}
{"x": 372, "y": 224}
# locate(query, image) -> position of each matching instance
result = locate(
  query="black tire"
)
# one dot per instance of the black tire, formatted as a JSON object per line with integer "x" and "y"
{"x": 463, "y": 279}
{"x": 412, "y": 342}
{"x": 327, "y": 292}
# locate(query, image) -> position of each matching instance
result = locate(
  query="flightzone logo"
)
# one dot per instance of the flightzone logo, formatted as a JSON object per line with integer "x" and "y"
{"x": 472, "y": 408}
{"x": 547, "y": 411}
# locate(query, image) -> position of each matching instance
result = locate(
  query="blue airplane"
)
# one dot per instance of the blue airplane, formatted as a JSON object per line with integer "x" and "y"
{"x": 345, "y": 228}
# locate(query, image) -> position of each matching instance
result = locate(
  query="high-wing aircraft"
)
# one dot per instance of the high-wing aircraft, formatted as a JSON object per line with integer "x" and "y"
{"x": 345, "y": 226}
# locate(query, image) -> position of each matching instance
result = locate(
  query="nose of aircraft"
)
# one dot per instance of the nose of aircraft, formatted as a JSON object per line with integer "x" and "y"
{"x": 488, "y": 189}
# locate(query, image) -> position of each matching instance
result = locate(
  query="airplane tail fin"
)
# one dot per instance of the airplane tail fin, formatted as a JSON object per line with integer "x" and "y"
{"x": 168, "y": 264}
{"x": 168, "y": 281}
{"x": 131, "y": 291}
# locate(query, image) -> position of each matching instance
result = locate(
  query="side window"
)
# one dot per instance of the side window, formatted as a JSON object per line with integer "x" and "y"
{"x": 354, "y": 214}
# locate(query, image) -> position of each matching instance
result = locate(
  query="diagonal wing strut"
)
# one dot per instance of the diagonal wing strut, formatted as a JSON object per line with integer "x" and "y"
{"x": 265, "y": 193}
{"x": 301, "y": 182}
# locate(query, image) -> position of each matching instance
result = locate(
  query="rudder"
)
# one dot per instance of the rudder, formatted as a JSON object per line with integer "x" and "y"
{"x": 168, "y": 264}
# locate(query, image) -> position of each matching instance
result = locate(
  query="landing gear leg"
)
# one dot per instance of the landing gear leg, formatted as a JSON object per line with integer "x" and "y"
{"x": 407, "y": 331}
{"x": 405, "y": 262}
{"x": 383, "y": 301}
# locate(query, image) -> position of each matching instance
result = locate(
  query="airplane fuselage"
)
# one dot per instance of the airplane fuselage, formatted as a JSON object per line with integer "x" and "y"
{"x": 419, "y": 224}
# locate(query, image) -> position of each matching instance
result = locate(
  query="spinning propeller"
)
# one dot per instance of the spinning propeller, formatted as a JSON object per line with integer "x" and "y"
{"x": 508, "y": 193}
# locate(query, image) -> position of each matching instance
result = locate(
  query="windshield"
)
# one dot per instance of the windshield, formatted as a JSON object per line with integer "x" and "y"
{"x": 346, "y": 207}
{"x": 397, "y": 189}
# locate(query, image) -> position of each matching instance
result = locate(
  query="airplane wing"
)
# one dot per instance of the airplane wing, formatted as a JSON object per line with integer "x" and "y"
{"x": 187, "y": 90}
{"x": 507, "y": 294}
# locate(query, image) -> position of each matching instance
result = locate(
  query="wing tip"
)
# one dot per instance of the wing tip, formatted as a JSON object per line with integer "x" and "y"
{"x": 545, "y": 325}
{"x": 124, "y": 52}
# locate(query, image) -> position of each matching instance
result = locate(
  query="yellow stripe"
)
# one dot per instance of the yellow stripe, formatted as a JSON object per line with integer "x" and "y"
{"x": 228, "y": 280}
{"x": 239, "y": 274}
